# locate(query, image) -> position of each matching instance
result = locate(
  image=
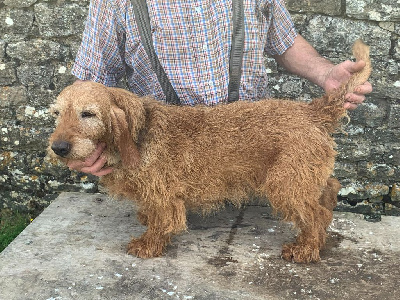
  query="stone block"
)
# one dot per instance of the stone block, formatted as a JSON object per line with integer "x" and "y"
{"x": 331, "y": 34}
{"x": 40, "y": 96}
{"x": 12, "y": 96}
{"x": 299, "y": 20}
{"x": 376, "y": 10}
{"x": 31, "y": 116}
{"x": 285, "y": 86}
{"x": 384, "y": 79}
{"x": 372, "y": 170}
{"x": 26, "y": 183}
{"x": 389, "y": 26}
{"x": 382, "y": 135}
{"x": 397, "y": 28}
{"x": 2, "y": 49}
{"x": 35, "y": 51}
{"x": 35, "y": 75}
{"x": 82, "y": 2}
{"x": 74, "y": 45}
{"x": 19, "y": 3}
{"x": 6, "y": 115}
{"x": 369, "y": 114}
{"x": 352, "y": 149}
{"x": 381, "y": 153}
{"x": 7, "y": 73}
{"x": 56, "y": 21}
{"x": 26, "y": 137}
{"x": 392, "y": 209}
{"x": 397, "y": 48}
{"x": 345, "y": 170}
{"x": 392, "y": 155}
{"x": 15, "y": 22}
{"x": 387, "y": 88}
{"x": 360, "y": 191}
{"x": 315, "y": 6}
{"x": 394, "y": 116}
{"x": 395, "y": 192}
{"x": 63, "y": 76}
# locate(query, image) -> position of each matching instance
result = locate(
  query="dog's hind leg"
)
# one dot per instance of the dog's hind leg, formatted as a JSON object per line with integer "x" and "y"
{"x": 329, "y": 195}
{"x": 328, "y": 200}
{"x": 311, "y": 237}
{"x": 296, "y": 194}
{"x": 161, "y": 223}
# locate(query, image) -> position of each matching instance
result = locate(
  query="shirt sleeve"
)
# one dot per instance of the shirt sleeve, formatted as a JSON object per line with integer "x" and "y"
{"x": 281, "y": 32}
{"x": 100, "y": 56}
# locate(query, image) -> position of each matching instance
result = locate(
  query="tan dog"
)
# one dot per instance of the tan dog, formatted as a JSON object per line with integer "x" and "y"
{"x": 172, "y": 159}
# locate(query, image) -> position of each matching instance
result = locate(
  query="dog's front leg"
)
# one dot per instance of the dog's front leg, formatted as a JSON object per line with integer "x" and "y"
{"x": 161, "y": 223}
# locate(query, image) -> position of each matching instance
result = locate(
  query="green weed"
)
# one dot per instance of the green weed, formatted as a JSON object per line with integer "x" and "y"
{"x": 11, "y": 225}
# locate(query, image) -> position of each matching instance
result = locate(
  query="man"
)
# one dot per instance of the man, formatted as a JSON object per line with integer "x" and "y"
{"x": 192, "y": 39}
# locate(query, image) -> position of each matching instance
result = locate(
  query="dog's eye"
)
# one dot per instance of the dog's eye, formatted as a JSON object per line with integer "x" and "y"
{"x": 87, "y": 114}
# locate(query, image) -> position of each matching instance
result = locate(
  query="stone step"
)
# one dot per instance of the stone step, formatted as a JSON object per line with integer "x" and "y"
{"x": 76, "y": 250}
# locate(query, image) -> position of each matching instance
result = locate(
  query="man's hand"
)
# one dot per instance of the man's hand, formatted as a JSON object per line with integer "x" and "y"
{"x": 303, "y": 60}
{"x": 339, "y": 74}
{"x": 94, "y": 164}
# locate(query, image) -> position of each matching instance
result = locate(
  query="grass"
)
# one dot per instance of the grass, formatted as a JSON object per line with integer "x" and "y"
{"x": 11, "y": 225}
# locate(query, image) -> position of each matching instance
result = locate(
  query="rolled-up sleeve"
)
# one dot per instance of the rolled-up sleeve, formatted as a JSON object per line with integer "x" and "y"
{"x": 281, "y": 32}
{"x": 100, "y": 56}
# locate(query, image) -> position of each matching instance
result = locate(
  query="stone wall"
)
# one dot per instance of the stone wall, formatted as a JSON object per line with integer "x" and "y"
{"x": 38, "y": 42}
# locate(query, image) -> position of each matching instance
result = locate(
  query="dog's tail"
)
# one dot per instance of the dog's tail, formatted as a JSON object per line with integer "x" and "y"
{"x": 329, "y": 108}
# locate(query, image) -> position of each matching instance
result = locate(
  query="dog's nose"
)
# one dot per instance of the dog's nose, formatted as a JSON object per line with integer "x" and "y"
{"x": 61, "y": 148}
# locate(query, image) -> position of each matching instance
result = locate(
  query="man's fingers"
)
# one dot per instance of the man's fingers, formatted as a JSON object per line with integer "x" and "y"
{"x": 95, "y": 155}
{"x": 93, "y": 164}
{"x": 103, "y": 172}
{"x": 355, "y": 98}
{"x": 353, "y": 67}
{"x": 363, "y": 89}
{"x": 350, "y": 106}
{"x": 95, "y": 167}
{"x": 88, "y": 162}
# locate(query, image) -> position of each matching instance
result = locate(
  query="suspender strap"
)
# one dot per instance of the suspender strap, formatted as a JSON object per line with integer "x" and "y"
{"x": 143, "y": 23}
{"x": 235, "y": 60}
{"x": 236, "y": 55}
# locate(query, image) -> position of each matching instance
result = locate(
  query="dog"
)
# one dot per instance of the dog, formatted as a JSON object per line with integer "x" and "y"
{"x": 171, "y": 159}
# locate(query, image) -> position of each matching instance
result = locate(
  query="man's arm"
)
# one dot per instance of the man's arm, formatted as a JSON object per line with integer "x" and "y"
{"x": 303, "y": 60}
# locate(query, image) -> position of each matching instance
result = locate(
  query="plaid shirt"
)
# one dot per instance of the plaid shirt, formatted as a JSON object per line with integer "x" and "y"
{"x": 192, "y": 39}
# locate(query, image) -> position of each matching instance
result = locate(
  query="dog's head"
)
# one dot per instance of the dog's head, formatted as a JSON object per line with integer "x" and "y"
{"x": 88, "y": 113}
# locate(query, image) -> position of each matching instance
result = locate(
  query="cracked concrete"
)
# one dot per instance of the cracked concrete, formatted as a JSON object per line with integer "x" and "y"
{"x": 76, "y": 250}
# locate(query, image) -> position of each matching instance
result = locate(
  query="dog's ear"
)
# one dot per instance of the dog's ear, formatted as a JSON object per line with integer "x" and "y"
{"x": 133, "y": 108}
{"x": 122, "y": 138}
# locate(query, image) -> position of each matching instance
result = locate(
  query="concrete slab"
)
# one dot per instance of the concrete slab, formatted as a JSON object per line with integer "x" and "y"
{"x": 76, "y": 250}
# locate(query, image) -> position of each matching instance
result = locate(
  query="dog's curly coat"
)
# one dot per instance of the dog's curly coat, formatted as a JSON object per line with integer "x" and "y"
{"x": 172, "y": 159}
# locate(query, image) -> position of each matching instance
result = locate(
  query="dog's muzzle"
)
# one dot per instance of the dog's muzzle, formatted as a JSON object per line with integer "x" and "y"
{"x": 61, "y": 148}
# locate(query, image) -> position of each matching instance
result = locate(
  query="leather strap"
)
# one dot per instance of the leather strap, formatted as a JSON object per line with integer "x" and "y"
{"x": 143, "y": 23}
{"x": 236, "y": 55}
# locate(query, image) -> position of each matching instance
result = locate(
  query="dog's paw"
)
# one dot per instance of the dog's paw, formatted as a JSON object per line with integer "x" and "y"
{"x": 300, "y": 253}
{"x": 143, "y": 249}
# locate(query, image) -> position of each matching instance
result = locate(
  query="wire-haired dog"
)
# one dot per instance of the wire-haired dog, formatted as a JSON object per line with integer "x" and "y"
{"x": 172, "y": 159}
